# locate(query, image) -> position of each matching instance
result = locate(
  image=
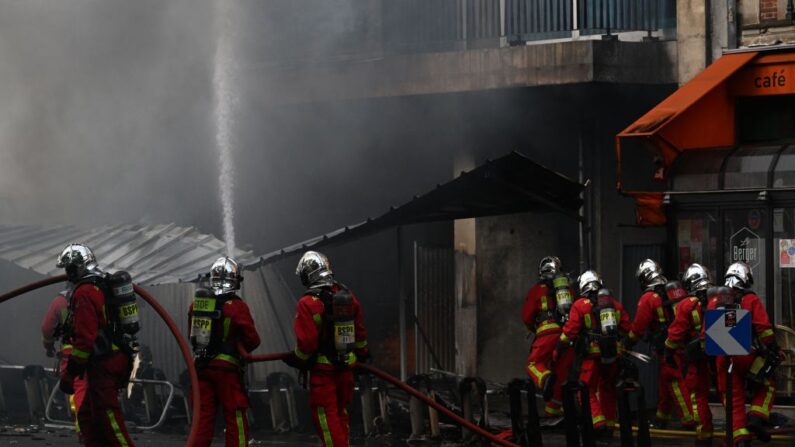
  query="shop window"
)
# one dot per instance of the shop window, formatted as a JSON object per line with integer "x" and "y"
{"x": 697, "y": 240}
{"x": 697, "y": 170}
{"x": 784, "y": 265}
{"x": 748, "y": 167}
{"x": 785, "y": 169}
{"x": 744, "y": 240}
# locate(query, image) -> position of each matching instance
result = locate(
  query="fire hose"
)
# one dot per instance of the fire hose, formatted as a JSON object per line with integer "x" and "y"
{"x": 172, "y": 326}
{"x": 396, "y": 382}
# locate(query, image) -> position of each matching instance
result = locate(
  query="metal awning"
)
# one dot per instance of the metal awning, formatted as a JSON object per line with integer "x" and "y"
{"x": 153, "y": 254}
{"x": 508, "y": 185}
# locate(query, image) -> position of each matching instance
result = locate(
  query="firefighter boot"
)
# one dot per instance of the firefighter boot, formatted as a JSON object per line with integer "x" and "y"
{"x": 757, "y": 426}
{"x": 548, "y": 387}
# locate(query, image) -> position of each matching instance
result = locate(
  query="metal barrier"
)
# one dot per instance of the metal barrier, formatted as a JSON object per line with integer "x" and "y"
{"x": 525, "y": 433}
{"x": 577, "y": 414}
{"x": 628, "y": 385}
{"x": 161, "y": 420}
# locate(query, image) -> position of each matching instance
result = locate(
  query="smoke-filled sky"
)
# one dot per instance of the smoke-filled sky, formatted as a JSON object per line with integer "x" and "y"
{"x": 107, "y": 116}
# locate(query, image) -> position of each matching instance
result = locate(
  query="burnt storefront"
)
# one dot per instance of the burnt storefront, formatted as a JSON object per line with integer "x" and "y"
{"x": 715, "y": 165}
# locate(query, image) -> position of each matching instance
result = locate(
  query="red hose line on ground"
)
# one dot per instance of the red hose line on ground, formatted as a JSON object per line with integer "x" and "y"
{"x": 395, "y": 381}
{"x": 183, "y": 345}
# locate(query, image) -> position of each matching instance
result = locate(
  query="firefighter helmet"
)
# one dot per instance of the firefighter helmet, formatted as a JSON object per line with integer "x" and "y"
{"x": 589, "y": 281}
{"x": 77, "y": 260}
{"x": 696, "y": 278}
{"x": 225, "y": 276}
{"x": 739, "y": 276}
{"x": 549, "y": 267}
{"x": 649, "y": 274}
{"x": 314, "y": 269}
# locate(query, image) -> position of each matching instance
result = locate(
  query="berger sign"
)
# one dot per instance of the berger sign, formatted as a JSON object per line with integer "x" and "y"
{"x": 744, "y": 247}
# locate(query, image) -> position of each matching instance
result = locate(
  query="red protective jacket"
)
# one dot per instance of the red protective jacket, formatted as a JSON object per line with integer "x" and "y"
{"x": 538, "y": 312}
{"x": 309, "y": 318}
{"x": 583, "y": 319}
{"x": 687, "y": 323}
{"x": 236, "y": 327}
{"x": 651, "y": 315}
{"x": 760, "y": 322}
{"x": 55, "y": 316}
{"x": 90, "y": 317}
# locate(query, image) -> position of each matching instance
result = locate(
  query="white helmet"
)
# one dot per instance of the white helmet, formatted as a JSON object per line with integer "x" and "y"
{"x": 589, "y": 281}
{"x": 225, "y": 276}
{"x": 314, "y": 269}
{"x": 78, "y": 260}
{"x": 739, "y": 276}
{"x": 649, "y": 274}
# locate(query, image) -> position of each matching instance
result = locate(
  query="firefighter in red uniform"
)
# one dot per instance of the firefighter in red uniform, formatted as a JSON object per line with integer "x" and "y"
{"x": 600, "y": 320}
{"x": 685, "y": 341}
{"x": 330, "y": 339}
{"x": 220, "y": 321}
{"x": 101, "y": 325}
{"x": 655, "y": 312}
{"x": 52, "y": 331}
{"x": 756, "y": 368}
{"x": 545, "y": 309}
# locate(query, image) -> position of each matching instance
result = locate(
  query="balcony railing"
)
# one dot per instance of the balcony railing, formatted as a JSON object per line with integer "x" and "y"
{"x": 445, "y": 25}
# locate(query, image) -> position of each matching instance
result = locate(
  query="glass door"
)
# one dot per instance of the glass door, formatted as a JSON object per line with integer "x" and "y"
{"x": 784, "y": 265}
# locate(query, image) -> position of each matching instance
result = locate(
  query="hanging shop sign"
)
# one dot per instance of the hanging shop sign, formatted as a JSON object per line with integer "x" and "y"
{"x": 744, "y": 247}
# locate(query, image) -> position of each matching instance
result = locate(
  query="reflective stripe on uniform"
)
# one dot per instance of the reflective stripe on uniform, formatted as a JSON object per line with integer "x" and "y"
{"x": 321, "y": 417}
{"x": 687, "y": 415}
{"x": 553, "y": 411}
{"x": 766, "y": 333}
{"x": 318, "y": 319}
{"x": 361, "y": 344}
{"x": 227, "y": 325}
{"x": 80, "y": 354}
{"x": 670, "y": 344}
{"x": 547, "y": 326}
{"x": 741, "y": 432}
{"x": 538, "y": 375}
{"x": 241, "y": 433}
{"x": 696, "y": 320}
{"x": 227, "y": 358}
{"x": 73, "y": 407}
{"x": 322, "y": 359}
{"x": 660, "y": 315}
{"x": 598, "y": 420}
{"x": 662, "y": 416}
{"x": 764, "y": 410}
{"x": 564, "y": 338}
{"x": 587, "y": 318}
{"x": 301, "y": 355}
{"x": 544, "y": 304}
{"x": 116, "y": 430}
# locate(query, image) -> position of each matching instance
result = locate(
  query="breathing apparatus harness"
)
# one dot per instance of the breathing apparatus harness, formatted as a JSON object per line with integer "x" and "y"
{"x": 207, "y": 328}
{"x": 560, "y": 286}
{"x": 671, "y": 293}
{"x": 123, "y": 320}
{"x": 338, "y": 331}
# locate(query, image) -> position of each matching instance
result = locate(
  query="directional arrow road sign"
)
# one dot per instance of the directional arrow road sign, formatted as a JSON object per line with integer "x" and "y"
{"x": 728, "y": 332}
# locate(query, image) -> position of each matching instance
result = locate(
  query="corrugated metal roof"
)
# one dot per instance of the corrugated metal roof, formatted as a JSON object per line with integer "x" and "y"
{"x": 153, "y": 254}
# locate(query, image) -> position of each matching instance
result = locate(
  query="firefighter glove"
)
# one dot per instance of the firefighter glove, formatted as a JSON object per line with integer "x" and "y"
{"x": 294, "y": 361}
{"x": 50, "y": 349}
{"x": 363, "y": 355}
{"x": 67, "y": 383}
{"x": 75, "y": 368}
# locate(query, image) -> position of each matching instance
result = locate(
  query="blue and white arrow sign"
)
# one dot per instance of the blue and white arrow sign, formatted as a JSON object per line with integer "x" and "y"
{"x": 728, "y": 332}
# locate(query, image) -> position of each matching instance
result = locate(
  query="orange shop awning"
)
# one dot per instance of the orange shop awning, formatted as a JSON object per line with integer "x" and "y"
{"x": 697, "y": 116}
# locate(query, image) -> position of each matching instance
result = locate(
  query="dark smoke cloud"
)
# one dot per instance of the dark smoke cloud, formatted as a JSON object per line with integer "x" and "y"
{"x": 106, "y": 116}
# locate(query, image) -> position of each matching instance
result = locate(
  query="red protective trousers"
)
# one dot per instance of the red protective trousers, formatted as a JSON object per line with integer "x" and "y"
{"x": 672, "y": 391}
{"x": 590, "y": 375}
{"x": 80, "y": 386}
{"x": 561, "y": 368}
{"x": 99, "y": 416}
{"x": 761, "y": 395}
{"x": 222, "y": 386}
{"x": 330, "y": 393}
{"x": 698, "y": 381}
